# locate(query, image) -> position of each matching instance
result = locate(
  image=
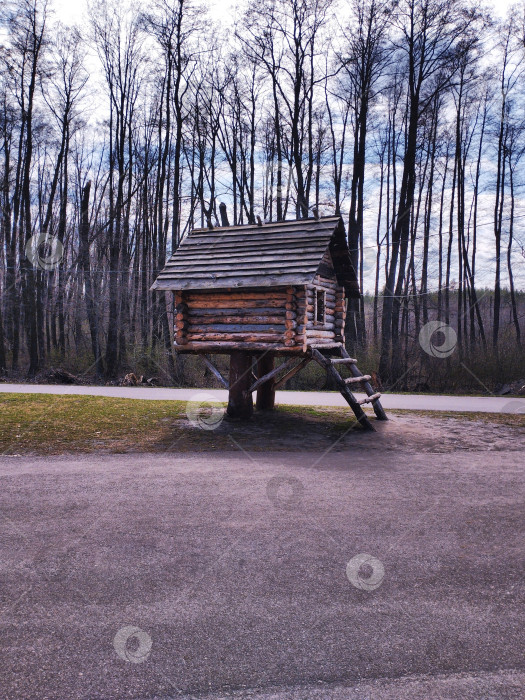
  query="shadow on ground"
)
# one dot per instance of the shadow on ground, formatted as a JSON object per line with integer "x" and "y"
{"x": 53, "y": 424}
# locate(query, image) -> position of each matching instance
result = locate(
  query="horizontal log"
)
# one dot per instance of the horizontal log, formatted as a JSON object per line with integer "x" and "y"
{"x": 237, "y": 296}
{"x": 321, "y": 327}
{"x": 329, "y": 299}
{"x": 329, "y": 293}
{"x": 238, "y": 337}
{"x": 312, "y": 323}
{"x": 236, "y": 328}
{"x": 328, "y": 317}
{"x": 319, "y": 334}
{"x": 237, "y": 311}
{"x": 310, "y": 309}
{"x": 291, "y": 315}
{"x": 253, "y": 320}
{"x": 269, "y": 302}
{"x": 326, "y": 286}
{"x": 222, "y": 347}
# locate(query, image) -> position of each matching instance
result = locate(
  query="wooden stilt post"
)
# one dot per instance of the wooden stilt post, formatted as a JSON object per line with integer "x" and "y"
{"x": 240, "y": 402}
{"x": 266, "y": 392}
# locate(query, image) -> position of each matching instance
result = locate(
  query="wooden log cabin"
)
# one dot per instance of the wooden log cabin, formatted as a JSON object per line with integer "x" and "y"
{"x": 256, "y": 292}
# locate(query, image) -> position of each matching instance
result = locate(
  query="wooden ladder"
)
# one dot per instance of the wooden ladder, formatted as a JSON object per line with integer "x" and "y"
{"x": 358, "y": 378}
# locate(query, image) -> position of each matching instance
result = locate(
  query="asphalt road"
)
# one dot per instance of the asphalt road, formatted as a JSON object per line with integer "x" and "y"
{"x": 275, "y": 576}
{"x": 416, "y": 402}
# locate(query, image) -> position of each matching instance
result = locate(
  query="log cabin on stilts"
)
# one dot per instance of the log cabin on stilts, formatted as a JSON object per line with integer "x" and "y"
{"x": 260, "y": 291}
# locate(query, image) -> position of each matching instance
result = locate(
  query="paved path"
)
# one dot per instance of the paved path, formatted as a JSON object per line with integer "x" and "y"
{"x": 420, "y": 402}
{"x": 163, "y": 576}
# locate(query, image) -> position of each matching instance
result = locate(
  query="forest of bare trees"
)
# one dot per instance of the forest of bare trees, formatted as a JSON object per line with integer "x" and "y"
{"x": 407, "y": 117}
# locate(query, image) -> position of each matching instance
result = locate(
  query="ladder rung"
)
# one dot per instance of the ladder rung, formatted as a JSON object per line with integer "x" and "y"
{"x": 326, "y": 346}
{"x": 357, "y": 380}
{"x": 344, "y": 361}
{"x": 369, "y": 399}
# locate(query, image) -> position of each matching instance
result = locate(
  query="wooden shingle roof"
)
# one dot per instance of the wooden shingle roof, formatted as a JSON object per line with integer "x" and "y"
{"x": 275, "y": 254}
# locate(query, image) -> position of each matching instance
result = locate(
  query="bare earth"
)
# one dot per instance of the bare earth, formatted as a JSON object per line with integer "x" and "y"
{"x": 233, "y": 573}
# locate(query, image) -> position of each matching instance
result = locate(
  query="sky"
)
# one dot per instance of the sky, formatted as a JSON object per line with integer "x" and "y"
{"x": 73, "y": 11}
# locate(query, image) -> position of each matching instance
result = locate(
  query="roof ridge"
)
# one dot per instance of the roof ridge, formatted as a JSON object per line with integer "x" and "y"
{"x": 244, "y": 227}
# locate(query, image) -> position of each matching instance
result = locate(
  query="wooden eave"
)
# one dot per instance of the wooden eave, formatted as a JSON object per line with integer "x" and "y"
{"x": 273, "y": 255}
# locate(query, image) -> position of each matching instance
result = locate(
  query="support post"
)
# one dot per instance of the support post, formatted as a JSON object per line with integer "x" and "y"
{"x": 240, "y": 402}
{"x": 266, "y": 392}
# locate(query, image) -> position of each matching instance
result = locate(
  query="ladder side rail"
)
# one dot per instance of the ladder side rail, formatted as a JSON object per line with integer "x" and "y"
{"x": 356, "y": 372}
{"x": 344, "y": 390}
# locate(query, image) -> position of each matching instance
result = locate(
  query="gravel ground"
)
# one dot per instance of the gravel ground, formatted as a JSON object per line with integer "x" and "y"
{"x": 358, "y": 574}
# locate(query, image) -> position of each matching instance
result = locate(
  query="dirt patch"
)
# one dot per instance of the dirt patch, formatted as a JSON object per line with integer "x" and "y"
{"x": 54, "y": 424}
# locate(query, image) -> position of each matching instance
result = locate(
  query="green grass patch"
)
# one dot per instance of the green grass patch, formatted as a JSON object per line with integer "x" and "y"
{"x": 47, "y": 424}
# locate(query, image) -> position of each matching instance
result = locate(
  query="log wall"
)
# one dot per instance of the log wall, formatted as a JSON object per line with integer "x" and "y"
{"x": 332, "y": 330}
{"x": 262, "y": 316}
